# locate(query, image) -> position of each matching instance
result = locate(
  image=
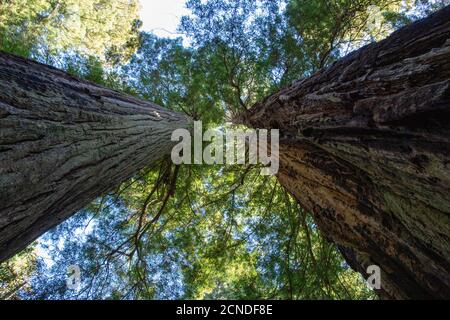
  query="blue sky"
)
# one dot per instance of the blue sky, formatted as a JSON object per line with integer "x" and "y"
{"x": 161, "y": 17}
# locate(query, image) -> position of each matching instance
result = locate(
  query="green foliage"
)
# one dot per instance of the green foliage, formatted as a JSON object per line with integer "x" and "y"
{"x": 107, "y": 29}
{"x": 328, "y": 26}
{"x": 192, "y": 232}
{"x": 245, "y": 48}
{"x": 15, "y": 274}
{"x": 223, "y": 234}
{"x": 165, "y": 72}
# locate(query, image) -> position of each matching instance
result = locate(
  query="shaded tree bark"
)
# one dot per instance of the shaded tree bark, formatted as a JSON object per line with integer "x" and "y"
{"x": 64, "y": 142}
{"x": 365, "y": 148}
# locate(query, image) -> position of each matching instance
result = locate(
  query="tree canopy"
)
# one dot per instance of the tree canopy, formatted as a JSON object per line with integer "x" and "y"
{"x": 106, "y": 29}
{"x": 193, "y": 232}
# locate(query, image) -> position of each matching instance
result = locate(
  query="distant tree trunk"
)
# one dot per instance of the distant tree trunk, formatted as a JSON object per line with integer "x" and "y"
{"x": 64, "y": 142}
{"x": 366, "y": 149}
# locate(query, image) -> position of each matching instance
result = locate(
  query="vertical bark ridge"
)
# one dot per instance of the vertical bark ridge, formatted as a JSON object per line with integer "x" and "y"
{"x": 64, "y": 142}
{"x": 365, "y": 147}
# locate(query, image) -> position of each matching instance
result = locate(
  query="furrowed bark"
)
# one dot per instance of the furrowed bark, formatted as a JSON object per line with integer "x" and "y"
{"x": 64, "y": 142}
{"x": 366, "y": 148}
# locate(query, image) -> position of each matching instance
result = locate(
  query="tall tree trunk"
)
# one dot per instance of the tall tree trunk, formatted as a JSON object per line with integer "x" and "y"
{"x": 366, "y": 148}
{"x": 64, "y": 142}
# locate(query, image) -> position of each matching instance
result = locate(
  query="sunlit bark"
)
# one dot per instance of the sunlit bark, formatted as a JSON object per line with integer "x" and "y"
{"x": 365, "y": 148}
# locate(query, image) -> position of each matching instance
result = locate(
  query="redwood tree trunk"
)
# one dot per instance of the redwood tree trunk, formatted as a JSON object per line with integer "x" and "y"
{"x": 366, "y": 148}
{"x": 64, "y": 142}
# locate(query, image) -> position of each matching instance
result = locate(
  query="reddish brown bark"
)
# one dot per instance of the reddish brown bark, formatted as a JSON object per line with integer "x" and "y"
{"x": 365, "y": 148}
{"x": 64, "y": 142}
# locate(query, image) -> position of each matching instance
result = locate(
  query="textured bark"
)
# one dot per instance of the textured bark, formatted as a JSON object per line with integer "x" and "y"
{"x": 365, "y": 147}
{"x": 64, "y": 142}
